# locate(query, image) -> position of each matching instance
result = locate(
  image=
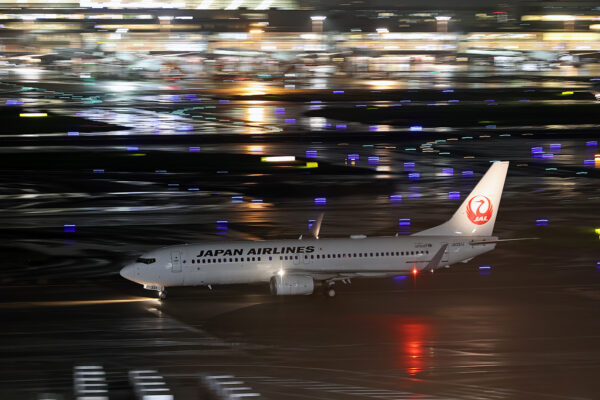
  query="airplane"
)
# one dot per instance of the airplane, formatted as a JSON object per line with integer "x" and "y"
{"x": 296, "y": 267}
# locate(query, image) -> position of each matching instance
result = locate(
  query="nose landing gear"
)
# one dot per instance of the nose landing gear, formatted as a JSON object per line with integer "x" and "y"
{"x": 162, "y": 294}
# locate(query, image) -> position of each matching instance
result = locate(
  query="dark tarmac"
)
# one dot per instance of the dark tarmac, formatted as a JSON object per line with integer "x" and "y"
{"x": 76, "y": 206}
{"x": 454, "y": 335}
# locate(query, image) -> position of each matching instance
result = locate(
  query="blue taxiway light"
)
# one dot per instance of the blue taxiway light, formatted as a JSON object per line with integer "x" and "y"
{"x": 69, "y": 228}
{"x": 536, "y": 150}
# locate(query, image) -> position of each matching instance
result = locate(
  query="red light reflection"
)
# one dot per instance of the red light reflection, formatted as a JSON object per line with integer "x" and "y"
{"x": 411, "y": 338}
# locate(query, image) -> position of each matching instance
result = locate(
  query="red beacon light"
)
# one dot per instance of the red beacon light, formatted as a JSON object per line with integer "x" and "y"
{"x": 415, "y": 271}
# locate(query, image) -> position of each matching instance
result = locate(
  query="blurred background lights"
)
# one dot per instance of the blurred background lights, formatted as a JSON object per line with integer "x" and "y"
{"x": 69, "y": 228}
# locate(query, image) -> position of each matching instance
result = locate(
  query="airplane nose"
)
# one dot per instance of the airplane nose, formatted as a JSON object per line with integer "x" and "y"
{"x": 128, "y": 272}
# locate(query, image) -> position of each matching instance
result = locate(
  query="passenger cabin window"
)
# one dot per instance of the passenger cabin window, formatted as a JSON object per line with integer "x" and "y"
{"x": 146, "y": 260}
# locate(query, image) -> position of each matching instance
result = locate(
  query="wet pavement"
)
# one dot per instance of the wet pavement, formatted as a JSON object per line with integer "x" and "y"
{"x": 519, "y": 322}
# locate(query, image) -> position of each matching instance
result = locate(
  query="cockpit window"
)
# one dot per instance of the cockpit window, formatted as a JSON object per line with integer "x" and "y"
{"x": 146, "y": 260}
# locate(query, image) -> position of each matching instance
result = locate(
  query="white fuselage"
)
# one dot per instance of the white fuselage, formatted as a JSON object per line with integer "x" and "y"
{"x": 239, "y": 262}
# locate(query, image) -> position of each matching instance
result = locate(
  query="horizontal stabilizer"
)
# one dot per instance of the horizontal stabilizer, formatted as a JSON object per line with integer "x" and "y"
{"x": 476, "y": 242}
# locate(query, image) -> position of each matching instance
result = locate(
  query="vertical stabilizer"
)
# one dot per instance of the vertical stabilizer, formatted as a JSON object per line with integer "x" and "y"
{"x": 477, "y": 214}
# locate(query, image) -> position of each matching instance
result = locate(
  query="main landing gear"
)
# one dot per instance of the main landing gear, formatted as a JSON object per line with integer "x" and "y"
{"x": 328, "y": 290}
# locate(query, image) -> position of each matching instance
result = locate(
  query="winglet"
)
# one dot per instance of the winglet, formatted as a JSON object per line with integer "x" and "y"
{"x": 316, "y": 226}
{"x": 435, "y": 261}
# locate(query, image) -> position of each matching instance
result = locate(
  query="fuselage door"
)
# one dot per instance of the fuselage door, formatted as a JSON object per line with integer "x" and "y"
{"x": 176, "y": 261}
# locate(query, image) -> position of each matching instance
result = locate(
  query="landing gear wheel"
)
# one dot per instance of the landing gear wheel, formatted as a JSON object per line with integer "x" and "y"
{"x": 162, "y": 294}
{"x": 330, "y": 292}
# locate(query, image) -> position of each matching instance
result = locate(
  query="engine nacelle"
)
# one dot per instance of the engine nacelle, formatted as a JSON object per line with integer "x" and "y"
{"x": 288, "y": 285}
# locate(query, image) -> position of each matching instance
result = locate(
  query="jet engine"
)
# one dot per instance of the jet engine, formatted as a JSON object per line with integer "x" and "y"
{"x": 287, "y": 285}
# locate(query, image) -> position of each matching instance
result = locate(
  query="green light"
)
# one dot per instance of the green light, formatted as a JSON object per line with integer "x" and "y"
{"x": 309, "y": 164}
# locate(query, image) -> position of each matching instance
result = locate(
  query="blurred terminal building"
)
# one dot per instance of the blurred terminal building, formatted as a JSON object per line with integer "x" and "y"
{"x": 358, "y": 35}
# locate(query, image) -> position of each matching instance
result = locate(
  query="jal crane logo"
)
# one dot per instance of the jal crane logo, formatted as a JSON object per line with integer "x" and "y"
{"x": 479, "y": 209}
